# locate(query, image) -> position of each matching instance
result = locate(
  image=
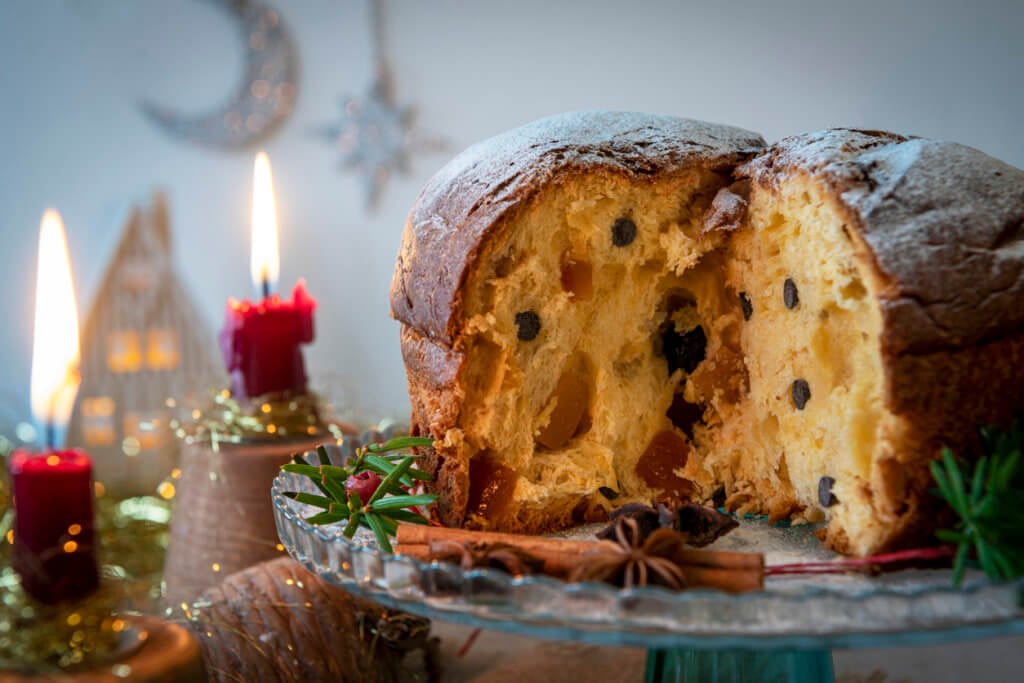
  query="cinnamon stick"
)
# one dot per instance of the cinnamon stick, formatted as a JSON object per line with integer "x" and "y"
{"x": 732, "y": 580}
{"x": 729, "y": 571}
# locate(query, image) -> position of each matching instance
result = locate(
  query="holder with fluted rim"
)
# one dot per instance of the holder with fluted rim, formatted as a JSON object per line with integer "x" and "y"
{"x": 781, "y": 633}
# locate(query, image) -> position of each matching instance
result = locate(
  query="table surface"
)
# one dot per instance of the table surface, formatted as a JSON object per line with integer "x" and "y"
{"x": 497, "y": 657}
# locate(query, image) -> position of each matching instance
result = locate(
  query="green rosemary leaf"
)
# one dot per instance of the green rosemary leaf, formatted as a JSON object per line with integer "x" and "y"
{"x": 379, "y": 533}
{"x": 394, "y": 477}
{"x": 1002, "y": 476}
{"x": 304, "y": 470}
{"x": 310, "y": 499}
{"x": 950, "y": 536}
{"x": 379, "y": 464}
{"x": 1004, "y": 566}
{"x": 980, "y": 470}
{"x": 956, "y": 479}
{"x": 385, "y": 468}
{"x": 355, "y": 504}
{"x": 419, "y": 474}
{"x": 321, "y": 454}
{"x": 401, "y": 442}
{"x": 334, "y": 472}
{"x": 298, "y": 465}
{"x": 942, "y": 481}
{"x": 335, "y": 489}
{"x": 986, "y": 498}
{"x": 322, "y": 518}
{"x": 960, "y": 564}
{"x": 394, "y": 502}
{"x": 407, "y": 516}
{"x": 390, "y": 525}
{"x": 985, "y": 558}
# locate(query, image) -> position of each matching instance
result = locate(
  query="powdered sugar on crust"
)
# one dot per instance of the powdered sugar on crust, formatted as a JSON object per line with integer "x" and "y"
{"x": 459, "y": 207}
{"x": 944, "y": 224}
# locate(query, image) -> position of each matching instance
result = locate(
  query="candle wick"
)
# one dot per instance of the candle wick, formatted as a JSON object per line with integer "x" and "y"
{"x": 266, "y": 287}
{"x": 50, "y": 435}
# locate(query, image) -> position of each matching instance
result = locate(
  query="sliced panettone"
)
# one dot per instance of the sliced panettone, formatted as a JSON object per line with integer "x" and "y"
{"x": 601, "y": 307}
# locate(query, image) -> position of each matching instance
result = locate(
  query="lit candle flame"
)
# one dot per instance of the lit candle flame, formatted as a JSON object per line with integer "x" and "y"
{"x": 55, "y": 377}
{"x": 265, "y": 262}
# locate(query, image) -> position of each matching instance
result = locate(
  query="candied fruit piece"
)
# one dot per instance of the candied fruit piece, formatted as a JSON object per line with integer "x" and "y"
{"x": 491, "y": 487}
{"x": 577, "y": 277}
{"x": 572, "y": 398}
{"x": 724, "y": 375}
{"x": 666, "y": 453}
{"x": 683, "y": 414}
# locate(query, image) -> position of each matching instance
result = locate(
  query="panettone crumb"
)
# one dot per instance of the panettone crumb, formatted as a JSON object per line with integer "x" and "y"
{"x": 641, "y": 370}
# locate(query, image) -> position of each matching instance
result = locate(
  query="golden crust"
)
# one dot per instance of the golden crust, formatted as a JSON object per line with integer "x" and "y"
{"x": 466, "y": 204}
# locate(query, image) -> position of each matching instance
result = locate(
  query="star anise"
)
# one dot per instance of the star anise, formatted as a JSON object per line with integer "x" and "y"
{"x": 702, "y": 525}
{"x": 474, "y": 555}
{"x": 635, "y": 561}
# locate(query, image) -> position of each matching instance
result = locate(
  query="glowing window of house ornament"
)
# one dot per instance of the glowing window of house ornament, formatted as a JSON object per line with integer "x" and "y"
{"x": 162, "y": 348}
{"x": 143, "y": 431}
{"x": 98, "y": 420}
{"x": 124, "y": 351}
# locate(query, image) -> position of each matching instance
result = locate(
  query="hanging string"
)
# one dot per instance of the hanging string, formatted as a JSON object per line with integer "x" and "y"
{"x": 382, "y": 72}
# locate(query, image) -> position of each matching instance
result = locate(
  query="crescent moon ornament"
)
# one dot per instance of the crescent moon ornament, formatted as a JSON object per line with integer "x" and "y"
{"x": 263, "y": 101}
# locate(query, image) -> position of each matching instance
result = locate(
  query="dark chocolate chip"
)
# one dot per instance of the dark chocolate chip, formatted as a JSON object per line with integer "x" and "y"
{"x": 718, "y": 497}
{"x": 685, "y": 350}
{"x": 609, "y": 493}
{"x": 825, "y": 495}
{"x": 623, "y": 232}
{"x": 789, "y": 294}
{"x": 748, "y": 308}
{"x": 801, "y": 393}
{"x": 528, "y": 325}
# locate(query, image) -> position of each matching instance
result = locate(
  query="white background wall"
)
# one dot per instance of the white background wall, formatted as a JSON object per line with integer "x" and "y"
{"x": 71, "y": 134}
{"x": 72, "y": 73}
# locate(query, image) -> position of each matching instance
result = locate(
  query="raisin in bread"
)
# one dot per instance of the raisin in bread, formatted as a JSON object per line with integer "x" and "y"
{"x": 601, "y": 307}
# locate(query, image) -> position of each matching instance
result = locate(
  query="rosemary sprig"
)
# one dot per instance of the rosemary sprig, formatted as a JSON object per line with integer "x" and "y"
{"x": 987, "y": 498}
{"x": 385, "y": 507}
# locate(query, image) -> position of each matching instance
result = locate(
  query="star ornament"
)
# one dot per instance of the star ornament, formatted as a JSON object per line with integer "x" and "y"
{"x": 376, "y": 138}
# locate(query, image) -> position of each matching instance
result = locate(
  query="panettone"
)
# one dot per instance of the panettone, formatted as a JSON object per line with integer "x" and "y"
{"x": 606, "y": 307}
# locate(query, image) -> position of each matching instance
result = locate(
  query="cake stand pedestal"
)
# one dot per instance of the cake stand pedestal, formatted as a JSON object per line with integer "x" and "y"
{"x": 738, "y": 666}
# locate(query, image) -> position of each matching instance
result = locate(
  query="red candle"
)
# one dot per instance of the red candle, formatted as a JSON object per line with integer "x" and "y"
{"x": 54, "y": 539}
{"x": 260, "y": 341}
{"x": 54, "y": 549}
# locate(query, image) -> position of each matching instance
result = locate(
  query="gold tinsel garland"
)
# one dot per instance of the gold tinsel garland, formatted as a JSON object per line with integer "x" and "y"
{"x": 263, "y": 418}
{"x": 40, "y": 638}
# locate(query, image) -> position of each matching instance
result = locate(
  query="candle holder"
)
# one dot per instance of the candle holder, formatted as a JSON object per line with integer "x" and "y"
{"x": 223, "y": 520}
{"x": 91, "y": 639}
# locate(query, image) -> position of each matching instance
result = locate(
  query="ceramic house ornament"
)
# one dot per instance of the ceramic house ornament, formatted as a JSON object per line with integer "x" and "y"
{"x": 144, "y": 346}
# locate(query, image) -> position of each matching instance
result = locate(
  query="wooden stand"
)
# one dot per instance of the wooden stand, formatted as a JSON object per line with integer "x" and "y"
{"x": 223, "y": 517}
{"x": 170, "y": 654}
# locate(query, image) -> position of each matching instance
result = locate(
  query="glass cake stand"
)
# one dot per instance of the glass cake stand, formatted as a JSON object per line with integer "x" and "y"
{"x": 783, "y": 633}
